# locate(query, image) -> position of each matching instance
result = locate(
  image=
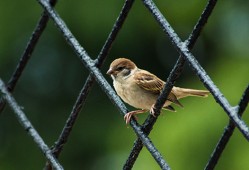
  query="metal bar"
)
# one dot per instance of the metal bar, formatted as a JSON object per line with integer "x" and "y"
{"x": 24, "y": 121}
{"x": 89, "y": 82}
{"x": 174, "y": 74}
{"x": 41, "y": 25}
{"x": 181, "y": 47}
{"x": 227, "y": 133}
{"x": 90, "y": 65}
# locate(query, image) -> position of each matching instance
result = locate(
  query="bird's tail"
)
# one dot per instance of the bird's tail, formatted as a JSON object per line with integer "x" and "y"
{"x": 183, "y": 92}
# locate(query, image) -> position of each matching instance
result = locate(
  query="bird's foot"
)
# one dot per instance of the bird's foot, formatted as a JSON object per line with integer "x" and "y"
{"x": 127, "y": 116}
{"x": 152, "y": 110}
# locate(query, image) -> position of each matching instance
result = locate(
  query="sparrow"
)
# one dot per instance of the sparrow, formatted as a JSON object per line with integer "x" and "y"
{"x": 140, "y": 88}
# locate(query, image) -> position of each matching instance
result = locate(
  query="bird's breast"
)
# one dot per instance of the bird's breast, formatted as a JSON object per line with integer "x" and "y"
{"x": 134, "y": 95}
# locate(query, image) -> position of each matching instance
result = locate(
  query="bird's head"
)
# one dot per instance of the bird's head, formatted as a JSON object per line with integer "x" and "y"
{"x": 121, "y": 68}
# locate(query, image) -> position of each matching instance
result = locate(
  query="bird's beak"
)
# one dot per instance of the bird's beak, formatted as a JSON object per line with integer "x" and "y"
{"x": 110, "y": 72}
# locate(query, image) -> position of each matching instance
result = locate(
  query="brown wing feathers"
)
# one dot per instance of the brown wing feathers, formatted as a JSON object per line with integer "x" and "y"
{"x": 153, "y": 84}
{"x": 149, "y": 82}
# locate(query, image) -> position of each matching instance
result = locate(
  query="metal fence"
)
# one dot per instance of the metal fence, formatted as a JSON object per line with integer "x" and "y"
{"x": 142, "y": 131}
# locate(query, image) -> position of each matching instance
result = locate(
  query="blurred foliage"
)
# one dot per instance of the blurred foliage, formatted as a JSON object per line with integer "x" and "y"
{"x": 100, "y": 139}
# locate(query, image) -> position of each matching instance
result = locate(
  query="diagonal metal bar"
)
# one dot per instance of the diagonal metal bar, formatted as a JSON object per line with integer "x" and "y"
{"x": 61, "y": 141}
{"x": 24, "y": 121}
{"x": 41, "y": 25}
{"x": 174, "y": 74}
{"x": 90, "y": 65}
{"x": 227, "y": 133}
{"x": 57, "y": 148}
{"x": 181, "y": 47}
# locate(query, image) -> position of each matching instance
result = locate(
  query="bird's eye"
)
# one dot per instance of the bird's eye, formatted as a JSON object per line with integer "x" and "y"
{"x": 120, "y": 68}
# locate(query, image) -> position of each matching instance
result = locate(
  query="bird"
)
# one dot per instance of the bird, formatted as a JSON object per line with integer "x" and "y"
{"x": 140, "y": 88}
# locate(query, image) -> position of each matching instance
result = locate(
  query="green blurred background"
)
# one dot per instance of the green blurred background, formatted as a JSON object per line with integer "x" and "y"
{"x": 100, "y": 139}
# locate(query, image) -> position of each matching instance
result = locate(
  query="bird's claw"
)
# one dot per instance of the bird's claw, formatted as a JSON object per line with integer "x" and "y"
{"x": 152, "y": 110}
{"x": 127, "y": 116}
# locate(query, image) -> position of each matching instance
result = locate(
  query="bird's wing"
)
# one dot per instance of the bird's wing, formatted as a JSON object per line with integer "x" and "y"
{"x": 153, "y": 84}
{"x": 170, "y": 108}
{"x": 148, "y": 81}
{"x": 172, "y": 97}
